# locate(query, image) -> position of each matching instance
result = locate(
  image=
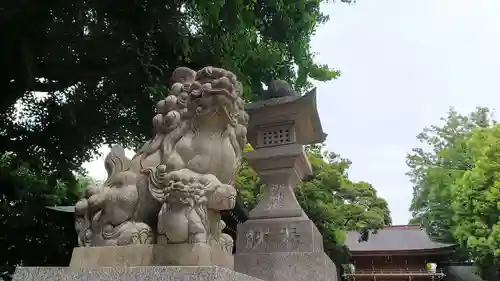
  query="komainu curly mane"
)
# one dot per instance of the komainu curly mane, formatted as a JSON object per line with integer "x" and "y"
{"x": 208, "y": 98}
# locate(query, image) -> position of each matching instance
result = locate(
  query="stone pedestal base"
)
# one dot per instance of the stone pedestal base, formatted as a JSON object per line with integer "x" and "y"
{"x": 150, "y": 273}
{"x": 199, "y": 254}
{"x": 282, "y": 249}
{"x": 294, "y": 266}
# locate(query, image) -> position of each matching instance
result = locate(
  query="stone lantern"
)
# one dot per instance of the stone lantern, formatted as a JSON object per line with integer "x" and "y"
{"x": 279, "y": 241}
{"x": 278, "y": 129}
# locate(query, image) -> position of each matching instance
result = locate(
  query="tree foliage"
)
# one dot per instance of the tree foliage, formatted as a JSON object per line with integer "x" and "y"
{"x": 476, "y": 200}
{"x": 82, "y": 73}
{"x": 436, "y": 166}
{"x": 30, "y": 233}
{"x": 103, "y": 65}
{"x": 447, "y": 174}
{"x": 332, "y": 201}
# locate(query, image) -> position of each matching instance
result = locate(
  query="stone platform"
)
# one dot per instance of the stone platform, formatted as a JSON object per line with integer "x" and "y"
{"x": 150, "y": 273}
{"x": 198, "y": 254}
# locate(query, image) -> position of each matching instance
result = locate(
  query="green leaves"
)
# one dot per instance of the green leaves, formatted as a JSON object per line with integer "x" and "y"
{"x": 102, "y": 68}
{"x": 31, "y": 234}
{"x": 477, "y": 197}
{"x": 456, "y": 188}
{"x": 103, "y": 65}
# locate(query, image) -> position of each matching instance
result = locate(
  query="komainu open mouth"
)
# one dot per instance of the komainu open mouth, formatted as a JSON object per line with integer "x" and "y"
{"x": 211, "y": 101}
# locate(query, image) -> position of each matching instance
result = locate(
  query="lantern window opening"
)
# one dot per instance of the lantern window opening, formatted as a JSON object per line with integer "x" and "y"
{"x": 276, "y": 135}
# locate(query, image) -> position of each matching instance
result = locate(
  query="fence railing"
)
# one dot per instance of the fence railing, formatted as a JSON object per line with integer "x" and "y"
{"x": 414, "y": 272}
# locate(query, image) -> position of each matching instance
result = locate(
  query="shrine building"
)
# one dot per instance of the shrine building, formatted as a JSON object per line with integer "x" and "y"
{"x": 396, "y": 253}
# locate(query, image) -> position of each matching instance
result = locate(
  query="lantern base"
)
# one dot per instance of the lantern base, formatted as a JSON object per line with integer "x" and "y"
{"x": 294, "y": 266}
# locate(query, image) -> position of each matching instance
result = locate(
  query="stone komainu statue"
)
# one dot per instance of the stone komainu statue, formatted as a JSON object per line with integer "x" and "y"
{"x": 173, "y": 189}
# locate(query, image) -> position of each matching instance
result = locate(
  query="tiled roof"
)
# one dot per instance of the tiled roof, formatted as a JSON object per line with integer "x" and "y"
{"x": 393, "y": 238}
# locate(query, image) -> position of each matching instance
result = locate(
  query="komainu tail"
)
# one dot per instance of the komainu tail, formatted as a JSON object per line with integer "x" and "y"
{"x": 115, "y": 162}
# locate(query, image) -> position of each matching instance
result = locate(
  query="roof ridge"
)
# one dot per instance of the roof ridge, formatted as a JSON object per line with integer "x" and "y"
{"x": 403, "y": 226}
{"x": 395, "y": 238}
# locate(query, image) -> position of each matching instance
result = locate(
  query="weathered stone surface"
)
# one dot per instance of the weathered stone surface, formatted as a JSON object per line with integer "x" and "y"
{"x": 287, "y": 266}
{"x": 173, "y": 189}
{"x": 281, "y": 168}
{"x": 301, "y": 110}
{"x": 277, "y": 89}
{"x": 198, "y": 254}
{"x": 156, "y": 273}
{"x": 278, "y": 235}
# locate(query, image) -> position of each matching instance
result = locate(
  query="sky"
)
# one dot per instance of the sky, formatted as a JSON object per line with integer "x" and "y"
{"x": 403, "y": 64}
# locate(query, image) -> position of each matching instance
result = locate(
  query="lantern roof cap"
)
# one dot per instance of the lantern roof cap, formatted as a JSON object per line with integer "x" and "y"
{"x": 301, "y": 110}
